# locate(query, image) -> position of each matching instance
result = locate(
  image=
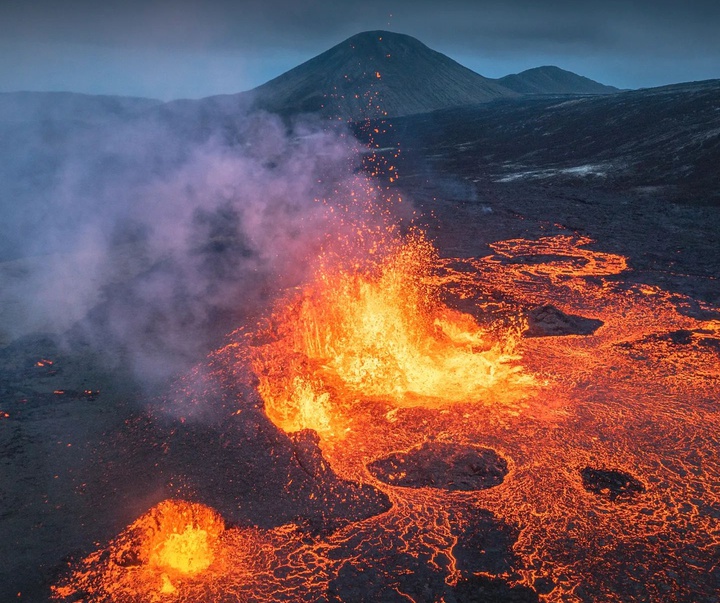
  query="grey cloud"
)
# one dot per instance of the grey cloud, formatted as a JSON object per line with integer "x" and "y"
{"x": 166, "y": 48}
{"x": 223, "y": 23}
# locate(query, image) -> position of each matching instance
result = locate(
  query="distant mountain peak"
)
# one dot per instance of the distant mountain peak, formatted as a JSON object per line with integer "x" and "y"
{"x": 367, "y": 41}
{"x": 374, "y": 74}
{"x": 549, "y": 79}
{"x": 381, "y": 35}
{"x": 382, "y": 73}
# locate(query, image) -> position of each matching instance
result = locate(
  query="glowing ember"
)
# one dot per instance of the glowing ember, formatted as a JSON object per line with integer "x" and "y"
{"x": 375, "y": 328}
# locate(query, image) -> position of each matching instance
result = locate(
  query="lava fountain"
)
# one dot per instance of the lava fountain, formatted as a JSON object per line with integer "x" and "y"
{"x": 175, "y": 542}
{"x": 182, "y": 537}
{"x": 603, "y": 489}
{"x": 372, "y": 326}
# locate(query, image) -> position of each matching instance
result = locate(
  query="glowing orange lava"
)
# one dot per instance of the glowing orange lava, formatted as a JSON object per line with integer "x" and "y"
{"x": 375, "y": 328}
{"x": 368, "y": 351}
{"x": 370, "y": 354}
{"x": 173, "y": 542}
{"x": 182, "y": 538}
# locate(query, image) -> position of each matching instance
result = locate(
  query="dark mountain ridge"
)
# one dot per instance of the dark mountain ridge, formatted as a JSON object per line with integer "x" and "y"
{"x": 553, "y": 80}
{"x": 665, "y": 136}
{"x": 373, "y": 74}
{"x": 72, "y": 106}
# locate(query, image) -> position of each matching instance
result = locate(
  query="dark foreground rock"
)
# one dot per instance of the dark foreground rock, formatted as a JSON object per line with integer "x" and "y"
{"x": 612, "y": 483}
{"x": 479, "y": 589}
{"x": 396, "y": 561}
{"x": 442, "y": 465}
{"x": 546, "y": 321}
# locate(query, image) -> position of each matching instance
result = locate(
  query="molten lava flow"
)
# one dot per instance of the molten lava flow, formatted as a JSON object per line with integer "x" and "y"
{"x": 373, "y": 327}
{"x": 181, "y": 552}
{"x": 604, "y": 487}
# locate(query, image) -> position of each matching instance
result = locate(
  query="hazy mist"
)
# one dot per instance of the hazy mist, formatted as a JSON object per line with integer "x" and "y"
{"x": 168, "y": 230}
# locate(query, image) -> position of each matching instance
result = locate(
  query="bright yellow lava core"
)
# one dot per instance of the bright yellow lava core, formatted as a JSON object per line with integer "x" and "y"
{"x": 188, "y": 552}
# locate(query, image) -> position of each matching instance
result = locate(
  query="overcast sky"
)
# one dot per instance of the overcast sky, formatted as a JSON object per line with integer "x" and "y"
{"x": 180, "y": 49}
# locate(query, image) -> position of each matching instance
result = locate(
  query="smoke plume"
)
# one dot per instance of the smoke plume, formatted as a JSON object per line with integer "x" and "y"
{"x": 148, "y": 237}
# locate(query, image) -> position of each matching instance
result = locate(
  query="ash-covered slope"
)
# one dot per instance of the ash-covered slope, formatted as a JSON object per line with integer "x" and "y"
{"x": 373, "y": 74}
{"x": 553, "y": 80}
{"x": 668, "y": 136}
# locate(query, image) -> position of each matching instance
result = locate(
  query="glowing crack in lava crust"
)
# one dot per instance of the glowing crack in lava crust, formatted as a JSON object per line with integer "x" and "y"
{"x": 375, "y": 327}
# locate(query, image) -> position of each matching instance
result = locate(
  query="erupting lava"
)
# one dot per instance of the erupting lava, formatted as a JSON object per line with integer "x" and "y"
{"x": 173, "y": 542}
{"x": 182, "y": 538}
{"x": 597, "y": 486}
{"x": 374, "y": 327}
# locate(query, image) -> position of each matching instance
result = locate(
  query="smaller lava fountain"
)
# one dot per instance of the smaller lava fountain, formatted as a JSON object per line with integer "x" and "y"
{"x": 173, "y": 542}
{"x": 181, "y": 537}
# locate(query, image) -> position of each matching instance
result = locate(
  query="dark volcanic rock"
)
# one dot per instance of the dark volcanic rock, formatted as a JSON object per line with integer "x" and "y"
{"x": 483, "y": 542}
{"x": 306, "y": 447}
{"x": 658, "y": 344}
{"x": 479, "y": 589}
{"x": 703, "y": 337}
{"x": 247, "y": 468}
{"x": 681, "y": 336}
{"x": 442, "y": 465}
{"x": 549, "y": 321}
{"x": 399, "y": 560}
{"x": 383, "y": 579}
{"x": 611, "y": 483}
{"x": 353, "y": 585}
{"x": 637, "y": 140}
